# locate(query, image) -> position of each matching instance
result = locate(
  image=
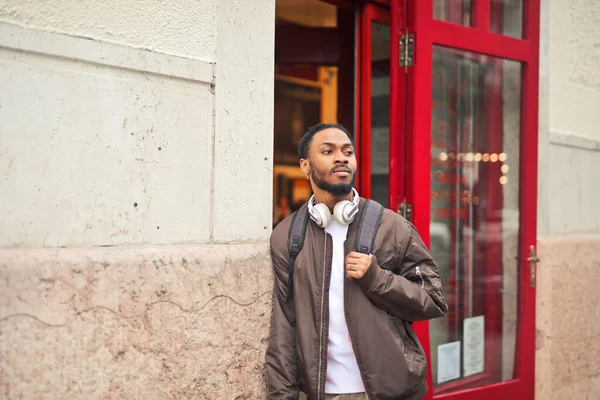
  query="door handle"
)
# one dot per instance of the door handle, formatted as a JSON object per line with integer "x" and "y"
{"x": 533, "y": 260}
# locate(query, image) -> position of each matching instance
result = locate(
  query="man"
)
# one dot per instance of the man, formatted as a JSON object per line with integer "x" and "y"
{"x": 346, "y": 332}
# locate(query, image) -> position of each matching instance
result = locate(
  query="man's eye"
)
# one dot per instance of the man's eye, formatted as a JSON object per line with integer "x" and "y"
{"x": 349, "y": 152}
{"x": 326, "y": 151}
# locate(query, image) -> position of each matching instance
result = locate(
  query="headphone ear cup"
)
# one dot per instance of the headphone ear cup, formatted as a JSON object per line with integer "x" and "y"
{"x": 321, "y": 215}
{"x": 341, "y": 211}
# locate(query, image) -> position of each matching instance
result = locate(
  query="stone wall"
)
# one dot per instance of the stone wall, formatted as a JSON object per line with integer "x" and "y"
{"x": 568, "y": 311}
{"x": 568, "y": 318}
{"x": 134, "y": 139}
{"x": 172, "y": 322}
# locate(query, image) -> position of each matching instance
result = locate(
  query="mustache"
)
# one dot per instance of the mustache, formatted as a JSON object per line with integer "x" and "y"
{"x": 342, "y": 167}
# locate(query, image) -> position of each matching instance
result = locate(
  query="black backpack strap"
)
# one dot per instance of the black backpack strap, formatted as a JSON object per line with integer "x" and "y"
{"x": 368, "y": 226}
{"x": 295, "y": 243}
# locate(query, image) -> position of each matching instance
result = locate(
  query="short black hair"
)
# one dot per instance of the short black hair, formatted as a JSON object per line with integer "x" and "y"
{"x": 304, "y": 144}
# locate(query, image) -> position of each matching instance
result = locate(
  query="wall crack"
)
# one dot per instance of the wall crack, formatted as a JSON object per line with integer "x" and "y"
{"x": 147, "y": 308}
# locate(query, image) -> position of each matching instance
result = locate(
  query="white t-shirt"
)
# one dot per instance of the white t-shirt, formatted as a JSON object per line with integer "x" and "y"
{"x": 343, "y": 375}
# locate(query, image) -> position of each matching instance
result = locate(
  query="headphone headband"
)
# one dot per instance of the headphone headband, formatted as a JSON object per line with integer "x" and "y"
{"x": 344, "y": 211}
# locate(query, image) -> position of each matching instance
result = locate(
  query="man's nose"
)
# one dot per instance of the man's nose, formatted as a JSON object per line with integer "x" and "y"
{"x": 341, "y": 157}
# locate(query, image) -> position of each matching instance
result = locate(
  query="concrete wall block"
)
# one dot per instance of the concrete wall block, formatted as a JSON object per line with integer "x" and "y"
{"x": 101, "y": 144}
{"x": 244, "y": 120}
{"x": 567, "y": 311}
{"x": 571, "y": 187}
{"x": 185, "y": 28}
{"x": 162, "y": 322}
{"x": 57, "y": 285}
{"x": 574, "y": 49}
{"x": 569, "y": 138}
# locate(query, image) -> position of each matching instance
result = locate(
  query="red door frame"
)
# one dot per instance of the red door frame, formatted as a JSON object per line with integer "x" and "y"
{"x": 368, "y": 14}
{"x": 478, "y": 39}
{"x": 397, "y": 161}
{"x": 414, "y": 109}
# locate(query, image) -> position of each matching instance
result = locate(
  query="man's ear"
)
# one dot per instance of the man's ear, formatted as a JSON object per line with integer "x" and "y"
{"x": 304, "y": 166}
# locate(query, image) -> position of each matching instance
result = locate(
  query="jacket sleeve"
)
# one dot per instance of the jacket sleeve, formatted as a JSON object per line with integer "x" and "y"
{"x": 281, "y": 362}
{"x": 413, "y": 292}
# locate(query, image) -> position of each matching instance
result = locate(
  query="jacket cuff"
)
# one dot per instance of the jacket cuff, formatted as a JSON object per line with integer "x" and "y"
{"x": 372, "y": 276}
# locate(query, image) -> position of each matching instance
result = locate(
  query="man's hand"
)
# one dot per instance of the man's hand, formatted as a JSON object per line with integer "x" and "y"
{"x": 357, "y": 264}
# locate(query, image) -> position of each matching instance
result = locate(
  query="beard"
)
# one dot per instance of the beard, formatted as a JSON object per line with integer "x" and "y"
{"x": 335, "y": 189}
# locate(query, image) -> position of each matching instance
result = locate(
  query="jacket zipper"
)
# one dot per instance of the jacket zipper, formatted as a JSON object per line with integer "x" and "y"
{"x": 322, "y": 305}
{"x": 420, "y": 276}
{"x": 352, "y": 343}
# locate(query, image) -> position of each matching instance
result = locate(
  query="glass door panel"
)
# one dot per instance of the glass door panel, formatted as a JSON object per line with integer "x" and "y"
{"x": 380, "y": 111}
{"x": 455, "y": 11}
{"x": 506, "y": 17}
{"x": 474, "y": 216}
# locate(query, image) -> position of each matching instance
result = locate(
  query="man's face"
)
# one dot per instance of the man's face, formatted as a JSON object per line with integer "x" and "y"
{"x": 331, "y": 162}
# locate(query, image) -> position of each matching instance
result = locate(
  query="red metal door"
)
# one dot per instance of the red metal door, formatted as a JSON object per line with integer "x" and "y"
{"x": 452, "y": 133}
{"x": 471, "y": 166}
{"x": 380, "y": 107}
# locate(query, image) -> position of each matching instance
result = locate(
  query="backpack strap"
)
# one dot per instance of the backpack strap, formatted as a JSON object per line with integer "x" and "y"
{"x": 295, "y": 243}
{"x": 368, "y": 226}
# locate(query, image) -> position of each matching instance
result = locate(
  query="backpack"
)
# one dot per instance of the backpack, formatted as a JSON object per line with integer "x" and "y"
{"x": 367, "y": 229}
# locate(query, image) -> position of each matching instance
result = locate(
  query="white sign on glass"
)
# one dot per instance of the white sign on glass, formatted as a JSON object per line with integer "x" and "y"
{"x": 474, "y": 345}
{"x": 448, "y": 366}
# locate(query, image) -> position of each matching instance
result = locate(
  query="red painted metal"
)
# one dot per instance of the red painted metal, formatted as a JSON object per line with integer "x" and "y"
{"x": 482, "y": 14}
{"x": 493, "y": 260}
{"x": 364, "y": 143}
{"x": 358, "y": 97}
{"x": 525, "y": 366}
{"x": 471, "y": 382}
{"x": 500, "y": 391}
{"x": 418, "y": 140}
{"x": 397, "y": 111}
{"x": 368, "y": 14}
{"x": 477, "y": 41}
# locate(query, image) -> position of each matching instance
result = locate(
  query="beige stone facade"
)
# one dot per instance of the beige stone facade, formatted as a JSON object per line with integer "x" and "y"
{"x": 134, "y": 140}
{"x": 567, "y": 309}
{"x": 568, "y": 318}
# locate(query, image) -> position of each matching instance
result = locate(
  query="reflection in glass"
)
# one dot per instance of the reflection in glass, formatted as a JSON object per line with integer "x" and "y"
{"x": 475, "y": 216}
{"x": 380, "y": 111}
{"x": 506, "y": 17}
{"x": 455, "y": 11}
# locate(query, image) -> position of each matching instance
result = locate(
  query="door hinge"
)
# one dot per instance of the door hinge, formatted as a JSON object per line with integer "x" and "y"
{"x": 406, "y": 210}
{"x": 407, "y": 50}
{"x": 533, "y": 260}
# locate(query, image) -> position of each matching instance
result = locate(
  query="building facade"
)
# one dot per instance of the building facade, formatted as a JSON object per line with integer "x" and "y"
{"x": 144, "y": 165}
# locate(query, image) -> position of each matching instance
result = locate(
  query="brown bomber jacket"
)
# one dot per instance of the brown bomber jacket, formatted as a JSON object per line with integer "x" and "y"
{"x": 402, "y": 284}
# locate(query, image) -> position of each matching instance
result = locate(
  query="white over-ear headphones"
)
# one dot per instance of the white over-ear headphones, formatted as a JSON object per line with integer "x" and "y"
{"x": 343, "y": 212}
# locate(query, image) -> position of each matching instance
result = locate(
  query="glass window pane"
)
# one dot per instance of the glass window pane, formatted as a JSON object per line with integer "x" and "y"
{"x": 475, "y": 216}
{"x": 380, "y": 111}
{"x": 507, "y": 17}
{"x": 455, "y": 11}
